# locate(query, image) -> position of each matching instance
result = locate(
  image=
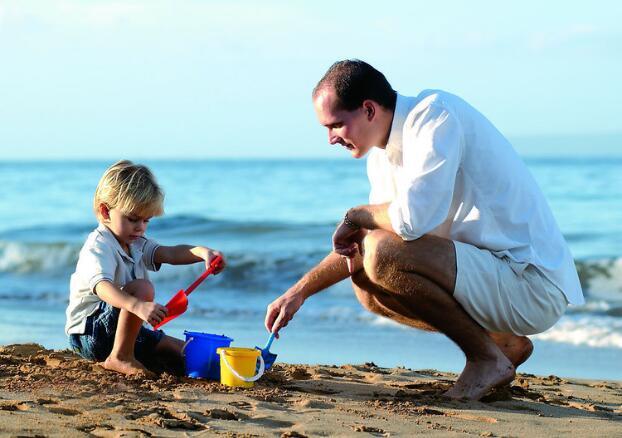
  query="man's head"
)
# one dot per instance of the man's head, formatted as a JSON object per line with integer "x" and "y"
{"x": 356, "y": 103}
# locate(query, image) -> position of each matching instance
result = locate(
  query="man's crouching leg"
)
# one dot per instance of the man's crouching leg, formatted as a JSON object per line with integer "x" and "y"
{"x": 420, "y": 276}
{"x": 379, "y": 301}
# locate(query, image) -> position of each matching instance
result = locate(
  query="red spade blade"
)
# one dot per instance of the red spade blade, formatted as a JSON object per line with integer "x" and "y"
{"x": 176, "y": 306}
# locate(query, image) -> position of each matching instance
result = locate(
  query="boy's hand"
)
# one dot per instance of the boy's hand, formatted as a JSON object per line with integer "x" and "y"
{"x": 211, "y": 254}
{"x": 150, "y": 312}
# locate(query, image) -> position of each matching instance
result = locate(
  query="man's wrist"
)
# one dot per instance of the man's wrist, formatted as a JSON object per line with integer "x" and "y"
{"x": 348, "y": 221}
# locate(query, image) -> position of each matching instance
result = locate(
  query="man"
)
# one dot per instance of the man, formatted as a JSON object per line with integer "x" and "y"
{"x": 457, "y": 237}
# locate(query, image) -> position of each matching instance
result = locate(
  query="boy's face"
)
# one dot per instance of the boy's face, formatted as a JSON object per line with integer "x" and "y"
{"x": 126, "y": 228}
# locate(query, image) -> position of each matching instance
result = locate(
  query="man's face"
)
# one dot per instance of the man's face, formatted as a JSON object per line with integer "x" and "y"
{"x": 351, "y": 129}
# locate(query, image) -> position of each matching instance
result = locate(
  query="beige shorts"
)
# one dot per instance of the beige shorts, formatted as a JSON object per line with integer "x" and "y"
{"x": 505, "y": 296}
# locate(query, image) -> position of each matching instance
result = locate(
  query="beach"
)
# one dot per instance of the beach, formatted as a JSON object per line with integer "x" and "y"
{"x": 56, "y": 393}
{"x": 341, "y": 371}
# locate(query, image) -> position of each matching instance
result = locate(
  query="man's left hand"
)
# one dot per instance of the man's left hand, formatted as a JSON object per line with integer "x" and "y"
{"x": 348, "y": 240}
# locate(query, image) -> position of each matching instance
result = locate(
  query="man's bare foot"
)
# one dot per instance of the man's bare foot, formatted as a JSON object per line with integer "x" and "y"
{"x": 516, "y": 348}
{"x": 479, "y": 377}
{"x": 126, "y": 366}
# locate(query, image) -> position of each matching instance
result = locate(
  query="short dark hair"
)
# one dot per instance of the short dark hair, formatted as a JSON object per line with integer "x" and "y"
{"x": 355, "y": 81}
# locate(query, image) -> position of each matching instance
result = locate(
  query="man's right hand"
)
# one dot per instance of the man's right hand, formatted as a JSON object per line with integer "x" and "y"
{"x": 282, "y": 310}
{"x": 150, "y": 312}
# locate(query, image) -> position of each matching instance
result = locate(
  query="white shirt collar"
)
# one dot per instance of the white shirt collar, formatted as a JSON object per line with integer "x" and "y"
{"x": 135, "y": 250}
{"x": 403, "y": 106}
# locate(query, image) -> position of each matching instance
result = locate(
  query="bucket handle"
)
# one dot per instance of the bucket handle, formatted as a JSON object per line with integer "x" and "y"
{"x": 262, "y": 368}
{"x": 183, "y": 349}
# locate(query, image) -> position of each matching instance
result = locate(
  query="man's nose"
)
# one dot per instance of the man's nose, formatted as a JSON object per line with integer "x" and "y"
{"x": 332, "y": 138}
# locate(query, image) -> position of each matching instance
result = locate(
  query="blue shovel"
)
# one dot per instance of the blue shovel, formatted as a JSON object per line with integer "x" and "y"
{"x": 268, "y": 357}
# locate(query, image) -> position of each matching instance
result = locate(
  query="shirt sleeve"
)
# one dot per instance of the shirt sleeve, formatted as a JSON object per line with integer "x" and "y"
{"x": 149, "y": 251}
{"x": 432, "y": 152}
{"x": 96, "y": 263}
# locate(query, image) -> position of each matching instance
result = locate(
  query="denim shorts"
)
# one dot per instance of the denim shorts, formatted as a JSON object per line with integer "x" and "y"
{"x": 98, "y": 338}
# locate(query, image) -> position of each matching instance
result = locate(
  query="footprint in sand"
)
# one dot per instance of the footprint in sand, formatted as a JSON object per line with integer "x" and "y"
{"x": 167, "y": 420}
{"x": 222, "y": 414}
{"x": 46, "y": 401}
{"x": 63, "y": 411}
{"x": 13, "y": 405}
{"x": 241, "y": 404}
{"x": 293, "y": 434}
{"x": 312, "y": 404}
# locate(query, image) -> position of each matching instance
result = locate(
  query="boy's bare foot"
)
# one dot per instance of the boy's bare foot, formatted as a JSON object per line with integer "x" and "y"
{"x": 516, "y": 348}
{"x": 479, "y": 377}
{"x": 126, "y": 366}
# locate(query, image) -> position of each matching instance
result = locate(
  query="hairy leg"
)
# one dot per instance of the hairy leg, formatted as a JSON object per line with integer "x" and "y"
{"x": 419, "y": 276}
{"x": 381, "y": 302}
{"x": 121, "y": 358}
{"x": 516, "y": 348}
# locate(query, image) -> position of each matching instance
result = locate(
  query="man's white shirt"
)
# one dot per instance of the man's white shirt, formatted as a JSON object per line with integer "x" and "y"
{"x": 447, "y": 170}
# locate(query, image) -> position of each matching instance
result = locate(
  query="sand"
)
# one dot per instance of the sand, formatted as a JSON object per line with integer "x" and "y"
{"x": 55, "y": 393}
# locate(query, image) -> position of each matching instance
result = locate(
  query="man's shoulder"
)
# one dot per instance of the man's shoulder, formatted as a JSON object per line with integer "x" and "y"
{"x": 441, "y": 98}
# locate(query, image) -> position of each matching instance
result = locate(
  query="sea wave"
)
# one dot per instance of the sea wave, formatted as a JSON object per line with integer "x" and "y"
{"x": 265, "y": 255}
{"x": 173, "y": 225}
{"x": 55, "y": 248}
{"x": 601, "y": 279}
{"x": 28, "y": 258}
{"x": 591, "y": 331}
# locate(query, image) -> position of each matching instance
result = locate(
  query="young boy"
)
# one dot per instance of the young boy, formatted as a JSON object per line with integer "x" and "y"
{"x": 110, "y": 293}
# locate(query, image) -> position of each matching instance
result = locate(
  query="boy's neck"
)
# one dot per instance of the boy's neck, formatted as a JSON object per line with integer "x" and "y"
{"x": 124, "y": 246}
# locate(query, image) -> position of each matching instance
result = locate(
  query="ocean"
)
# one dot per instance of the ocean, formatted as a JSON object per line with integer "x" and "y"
{"x": 273, "y": 220}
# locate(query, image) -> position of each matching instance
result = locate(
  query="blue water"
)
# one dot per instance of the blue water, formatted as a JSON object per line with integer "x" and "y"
{"x": 273, "y": 220}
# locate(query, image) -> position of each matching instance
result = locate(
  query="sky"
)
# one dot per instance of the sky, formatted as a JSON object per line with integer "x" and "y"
{"x": 201, "y": 79}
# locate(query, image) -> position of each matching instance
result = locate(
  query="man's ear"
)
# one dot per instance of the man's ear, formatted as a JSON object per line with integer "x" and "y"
{"x": 370, "y": 109}
{"x": 104, "y": 211}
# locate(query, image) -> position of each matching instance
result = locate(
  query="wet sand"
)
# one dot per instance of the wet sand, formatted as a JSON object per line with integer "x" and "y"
{"x": 55, "y": 393}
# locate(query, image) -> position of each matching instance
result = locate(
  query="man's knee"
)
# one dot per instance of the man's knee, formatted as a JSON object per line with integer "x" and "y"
{"x": 360, "y": 284}
{"x": 141, "y": 289}
{"x": 376, "y": 260}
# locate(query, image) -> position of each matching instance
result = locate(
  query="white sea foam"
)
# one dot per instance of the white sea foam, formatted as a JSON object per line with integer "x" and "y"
{"x": 591, "y": 331}
{"x": 33, "y": 257}
{"x": 587, "y": 331}
{"x": 607, "y": 283}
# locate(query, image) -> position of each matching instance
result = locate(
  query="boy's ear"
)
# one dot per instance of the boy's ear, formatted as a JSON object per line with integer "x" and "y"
{"x": 104, "y": 211}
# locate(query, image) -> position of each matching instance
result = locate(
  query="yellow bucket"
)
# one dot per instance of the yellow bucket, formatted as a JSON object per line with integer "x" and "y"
{"x": 238, "y": 365}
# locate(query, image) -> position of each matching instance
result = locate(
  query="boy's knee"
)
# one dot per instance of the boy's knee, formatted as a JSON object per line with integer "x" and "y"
{"x": 141, "y": 289}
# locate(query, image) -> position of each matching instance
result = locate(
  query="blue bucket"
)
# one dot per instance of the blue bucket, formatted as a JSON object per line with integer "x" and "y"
{"x": 202, "y": 361}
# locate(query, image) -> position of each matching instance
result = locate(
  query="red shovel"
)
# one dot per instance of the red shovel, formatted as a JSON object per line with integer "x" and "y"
{"x": 179, "y": 303}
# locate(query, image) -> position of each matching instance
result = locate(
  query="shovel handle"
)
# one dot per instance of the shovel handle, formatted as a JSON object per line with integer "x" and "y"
{"x": 270, "y": 340}
{"x": 204, "y": 275}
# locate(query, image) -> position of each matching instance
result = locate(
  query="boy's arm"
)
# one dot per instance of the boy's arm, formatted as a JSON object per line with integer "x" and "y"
{"x": 148, "y": 311}
{"x": 186, "y": 254}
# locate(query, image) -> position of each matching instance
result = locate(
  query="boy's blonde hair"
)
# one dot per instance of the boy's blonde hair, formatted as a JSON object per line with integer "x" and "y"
{"x": 131, "y": 188}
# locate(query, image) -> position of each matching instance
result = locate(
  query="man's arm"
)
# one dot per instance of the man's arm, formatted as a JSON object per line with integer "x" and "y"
{"x": 349, "y": 235}
{"x": 371, "y": 217}
{"x": 334, "y": 267}
{"x": 329, "y": 271}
